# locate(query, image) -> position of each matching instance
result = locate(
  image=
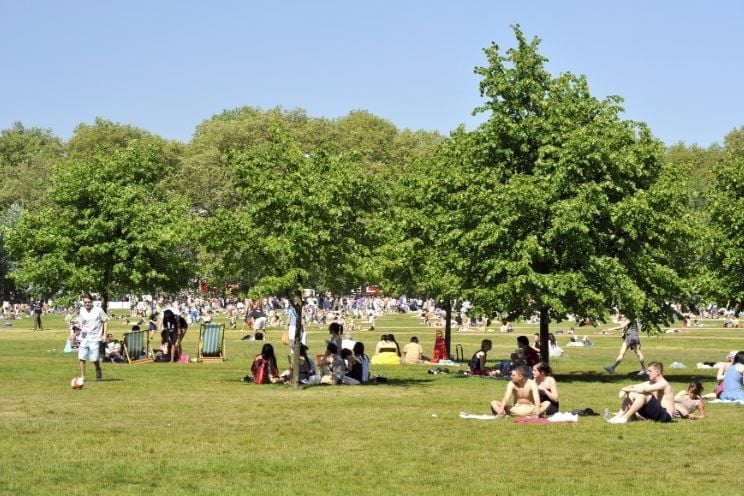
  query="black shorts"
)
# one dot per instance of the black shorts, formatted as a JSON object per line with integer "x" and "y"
{"x": 633, "y": 343}
{"x": 653, "y": 410}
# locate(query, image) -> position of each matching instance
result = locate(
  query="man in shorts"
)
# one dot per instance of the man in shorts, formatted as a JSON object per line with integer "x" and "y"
{"x": 521, "y": 399}
{"x": 631, "y": 340}
{"x": 93, "y": 329}
{"x": 650, "y": 400}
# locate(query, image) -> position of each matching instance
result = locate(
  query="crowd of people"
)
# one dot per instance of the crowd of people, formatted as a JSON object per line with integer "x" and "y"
{"x": 532, "y": 390}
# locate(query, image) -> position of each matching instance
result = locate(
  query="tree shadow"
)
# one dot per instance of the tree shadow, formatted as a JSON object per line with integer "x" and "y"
{"x": 402, "y": 381}
{"x": 630, "y": 378}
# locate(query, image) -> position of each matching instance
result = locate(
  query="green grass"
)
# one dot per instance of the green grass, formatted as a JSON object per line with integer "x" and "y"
{"x": 196, "y": 429}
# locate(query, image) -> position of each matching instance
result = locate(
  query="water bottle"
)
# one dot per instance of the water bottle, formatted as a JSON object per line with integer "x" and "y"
{"x": 606, "y": 414}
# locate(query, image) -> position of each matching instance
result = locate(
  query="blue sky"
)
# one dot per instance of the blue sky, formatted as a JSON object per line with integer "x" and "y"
{"x": 166, "y": 66}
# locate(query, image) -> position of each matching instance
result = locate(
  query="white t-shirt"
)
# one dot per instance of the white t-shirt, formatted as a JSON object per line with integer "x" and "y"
{"x": 91, "y": 323}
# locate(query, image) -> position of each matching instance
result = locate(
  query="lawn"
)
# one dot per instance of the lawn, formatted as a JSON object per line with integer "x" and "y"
{"x": 162, "y": 428}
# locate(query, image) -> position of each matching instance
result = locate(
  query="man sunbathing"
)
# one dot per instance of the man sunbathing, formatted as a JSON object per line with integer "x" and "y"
{"x": 524, "y": 394}
{"x": 651, "y": 400}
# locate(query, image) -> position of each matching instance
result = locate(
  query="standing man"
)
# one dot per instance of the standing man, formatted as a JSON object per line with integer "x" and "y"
{"x": 94, "y": 326}
{"x": 292, "y": 326}
{"x": 37, "y": 309}
{"x": 631, "y": 340}
{"x": 651, "y": 400}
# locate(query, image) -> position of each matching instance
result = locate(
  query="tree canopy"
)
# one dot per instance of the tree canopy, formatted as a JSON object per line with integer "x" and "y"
{"x": 112, "y": 227}
{"x": 554, "y": 205}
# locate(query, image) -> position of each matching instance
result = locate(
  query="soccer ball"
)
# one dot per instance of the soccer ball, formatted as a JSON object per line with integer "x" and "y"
{"x": 77, "y": 383}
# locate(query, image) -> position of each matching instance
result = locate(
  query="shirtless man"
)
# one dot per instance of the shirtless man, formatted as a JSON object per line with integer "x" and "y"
{"x": 652, "y": 400}
{"x": 523, "y": 392}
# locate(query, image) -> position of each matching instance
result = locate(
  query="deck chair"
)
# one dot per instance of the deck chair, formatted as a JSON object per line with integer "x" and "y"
{"x": 211, "y": 343}
{"x": 137, "y": 347}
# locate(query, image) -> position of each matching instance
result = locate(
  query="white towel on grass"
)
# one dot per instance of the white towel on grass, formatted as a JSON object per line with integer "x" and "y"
{"x": 466, "y": 415}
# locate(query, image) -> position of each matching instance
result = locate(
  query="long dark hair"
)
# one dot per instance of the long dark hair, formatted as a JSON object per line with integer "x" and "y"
{"x": 739, "y": 357}
{"x": 169, "y": 320}
{"x": 544, "y": 368}
{"x": 267, "y": 353}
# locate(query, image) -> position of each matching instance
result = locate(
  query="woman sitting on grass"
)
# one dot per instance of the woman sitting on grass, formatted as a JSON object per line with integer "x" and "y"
{"x": 547, "y": 388}
{"x": 360, "y": 367}
{"x": 733, "y": 380}
{"x": 477, "y": 362}
{"x": 332, "y": 366}
{"x": 686, "y": 403}
{"x": 264, "y": 367}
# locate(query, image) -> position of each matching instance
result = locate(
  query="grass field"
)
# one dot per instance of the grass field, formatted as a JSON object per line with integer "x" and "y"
{"x": 163, "y": 428}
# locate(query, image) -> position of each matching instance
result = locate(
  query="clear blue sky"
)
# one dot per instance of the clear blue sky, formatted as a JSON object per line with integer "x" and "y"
{"x": 168, "y": 65}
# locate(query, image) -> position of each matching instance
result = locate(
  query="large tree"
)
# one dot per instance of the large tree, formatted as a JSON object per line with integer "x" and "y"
{"x": 556, "y": 205}
{"x": 727, "y": 243}
{"x": 111, "y": 227}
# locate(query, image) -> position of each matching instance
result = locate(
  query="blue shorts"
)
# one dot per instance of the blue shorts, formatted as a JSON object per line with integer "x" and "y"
{"x": 89, "y": 350}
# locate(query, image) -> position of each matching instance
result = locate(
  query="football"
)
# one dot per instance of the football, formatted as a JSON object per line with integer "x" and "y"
{"x": 77, "y": 383}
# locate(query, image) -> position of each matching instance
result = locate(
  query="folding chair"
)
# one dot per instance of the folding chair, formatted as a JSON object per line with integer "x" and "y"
{"x": 211, "y": 343}
{"x": 137, "y": 347}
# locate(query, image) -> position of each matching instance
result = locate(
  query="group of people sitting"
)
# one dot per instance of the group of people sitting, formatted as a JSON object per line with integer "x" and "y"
{"x": 343, "y": 362}
{"x": 525, "y": 355}
{"x": 388, "y": 352}
{"x": 350, "y": 366}
{"x": 534, "y": 393}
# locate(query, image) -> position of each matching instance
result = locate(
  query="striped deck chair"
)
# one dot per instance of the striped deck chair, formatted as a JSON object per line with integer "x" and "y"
{"x": 137, "y": 347}
{"x": 211, "y": 343}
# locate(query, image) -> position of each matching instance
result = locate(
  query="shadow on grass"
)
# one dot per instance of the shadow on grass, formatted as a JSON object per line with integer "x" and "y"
{"x": 403, "y": 381}
{"x": 630, "y": 378}
{"x": 410, "y": 381}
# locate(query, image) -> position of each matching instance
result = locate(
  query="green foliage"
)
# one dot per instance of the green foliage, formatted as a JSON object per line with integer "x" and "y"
{"x": 26, "y": 160}
{"x": 554, "y": 204}
{"x": 302, "y": 220}
{"x": 727, "y": 259}
{"x": 359, "y": 136}
{"x": 111, "y": 227}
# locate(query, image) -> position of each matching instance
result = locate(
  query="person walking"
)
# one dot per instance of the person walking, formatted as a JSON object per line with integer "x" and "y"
{"x": 93, "y": 329}
{"x": 631, "y": 340}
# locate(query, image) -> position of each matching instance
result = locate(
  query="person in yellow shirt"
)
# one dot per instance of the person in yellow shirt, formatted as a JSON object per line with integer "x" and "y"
{"x": 413, "y": 352}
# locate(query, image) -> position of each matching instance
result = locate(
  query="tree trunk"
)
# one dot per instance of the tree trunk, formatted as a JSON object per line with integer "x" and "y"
{"x": 448, "y": 325}
{"x": 297, "y": 303}
{"x": 544, "y": 334}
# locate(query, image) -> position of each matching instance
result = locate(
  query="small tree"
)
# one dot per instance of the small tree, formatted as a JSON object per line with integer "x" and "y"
{"x": 302, "y": 222}
{"x": 111, "y": 228}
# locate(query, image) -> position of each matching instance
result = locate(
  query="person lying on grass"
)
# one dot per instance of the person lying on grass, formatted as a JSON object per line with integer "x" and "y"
{"x": 650, "y": 400}
{"x": 521, "y": 398}
{"x": 686, "y": 403}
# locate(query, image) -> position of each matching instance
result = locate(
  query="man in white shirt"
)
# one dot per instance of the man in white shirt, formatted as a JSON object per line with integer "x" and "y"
{"x": 94, "y": 326}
